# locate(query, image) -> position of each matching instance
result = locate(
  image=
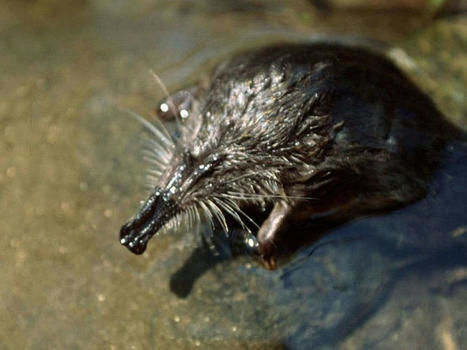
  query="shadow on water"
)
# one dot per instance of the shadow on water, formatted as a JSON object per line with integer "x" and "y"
{"x": 198, "y": 263}
{"x": 205, "y": 258}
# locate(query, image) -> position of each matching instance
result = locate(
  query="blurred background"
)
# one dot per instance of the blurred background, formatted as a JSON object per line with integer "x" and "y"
{"x": 71, "y": 174}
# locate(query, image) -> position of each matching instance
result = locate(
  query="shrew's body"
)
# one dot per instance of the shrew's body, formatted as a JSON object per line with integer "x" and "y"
{"x": 298, "y": 131}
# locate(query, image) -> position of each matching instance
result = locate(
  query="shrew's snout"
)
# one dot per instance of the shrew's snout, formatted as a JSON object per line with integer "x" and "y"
{"x": 155, "y": 212}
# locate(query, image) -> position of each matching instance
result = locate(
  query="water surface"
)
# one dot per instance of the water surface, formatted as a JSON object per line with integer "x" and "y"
{"x": 71, "y": 174}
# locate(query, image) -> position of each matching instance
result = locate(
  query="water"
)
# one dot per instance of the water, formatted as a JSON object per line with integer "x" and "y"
{"x": 70, "y": 175}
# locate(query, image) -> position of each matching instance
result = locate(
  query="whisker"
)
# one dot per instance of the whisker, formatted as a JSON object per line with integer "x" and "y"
{"x": 197, "y": 214}
{"x": 207, "y": 213}
{"x": 155, "y": 172}
{"x": 164, "y": 90}
{"x": 237, "y": 208}
{"x": 151, "y": 156}
{"x": 192, "y": 217}
{"x": 152, "y": 161}
{"x": 238, "y": 195}
{"x": 152, "y": 179}
{"x": 171, "y": 104}
{"x": 234, "y": 211}
{"x": 239, "y": 178}
{"x": 219, "y": 215}
{"x": 151, "y": 127}
{"x": 153, "y": 144}
{"x": 229, "y": 210}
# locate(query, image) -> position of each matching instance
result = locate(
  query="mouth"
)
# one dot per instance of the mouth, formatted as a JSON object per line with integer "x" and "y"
{"x": 154, "y": 213}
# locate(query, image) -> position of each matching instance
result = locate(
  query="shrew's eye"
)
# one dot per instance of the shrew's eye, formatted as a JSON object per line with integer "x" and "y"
{"x": 178, "y": 105}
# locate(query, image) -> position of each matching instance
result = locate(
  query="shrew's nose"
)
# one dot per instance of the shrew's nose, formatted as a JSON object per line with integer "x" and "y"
{"x": 131, "y": 237}
{"x": 155, "y": 212}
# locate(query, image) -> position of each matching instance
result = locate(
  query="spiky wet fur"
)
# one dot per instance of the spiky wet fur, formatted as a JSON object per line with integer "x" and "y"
{"x": 251, "y": 156}
{"x": 295, "y": 123}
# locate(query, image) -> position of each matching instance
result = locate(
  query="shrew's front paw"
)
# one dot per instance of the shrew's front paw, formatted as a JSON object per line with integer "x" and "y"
{"x": 269, "y": 254}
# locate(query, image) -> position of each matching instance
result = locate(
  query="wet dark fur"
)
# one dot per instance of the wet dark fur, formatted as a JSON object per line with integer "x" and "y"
{"x": 314, "y": 131}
